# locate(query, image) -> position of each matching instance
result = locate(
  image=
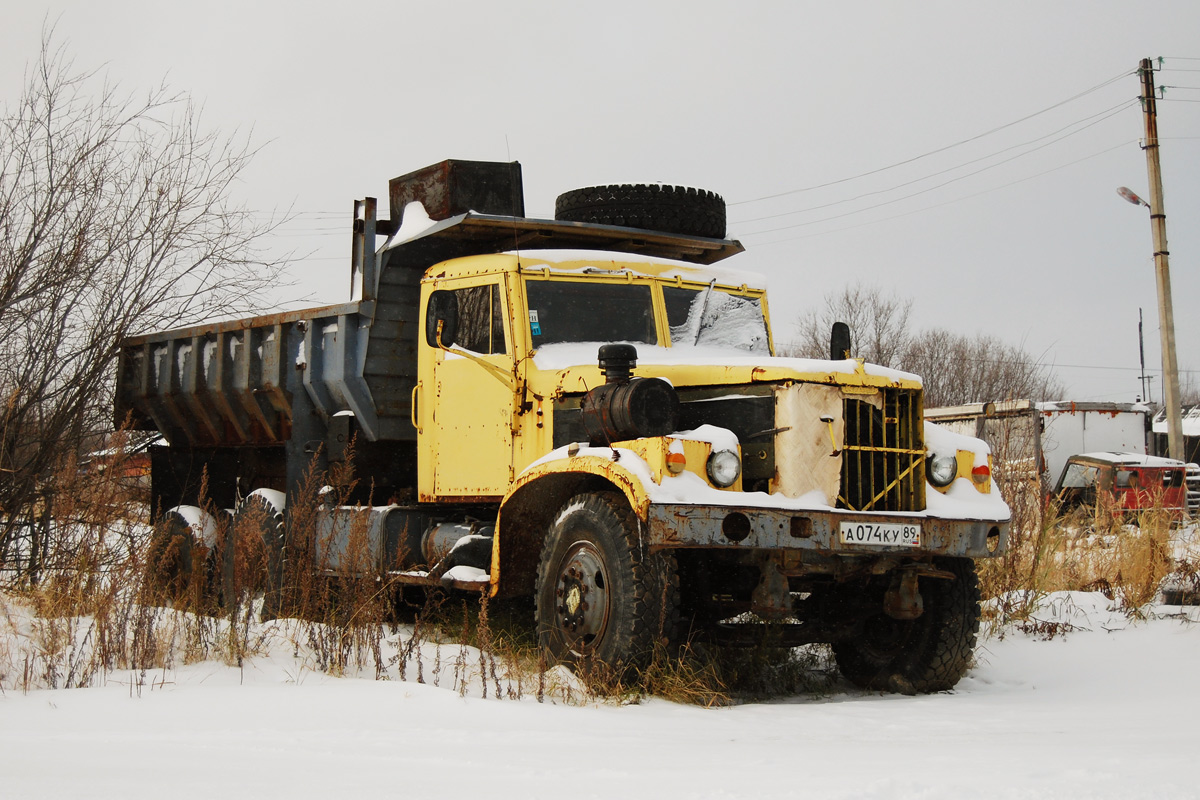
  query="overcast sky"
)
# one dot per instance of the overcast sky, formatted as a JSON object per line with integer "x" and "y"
{"x": 999, "y": 220}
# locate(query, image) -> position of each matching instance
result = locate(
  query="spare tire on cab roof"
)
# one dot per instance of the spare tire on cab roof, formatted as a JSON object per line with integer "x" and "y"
{"x": 653, "y": 207}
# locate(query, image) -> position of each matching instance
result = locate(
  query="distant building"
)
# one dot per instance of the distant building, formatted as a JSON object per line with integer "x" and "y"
{"x": 1191, "y": 433}
{"x": 1032, "y": 441}
{"x": 128, "y": 452}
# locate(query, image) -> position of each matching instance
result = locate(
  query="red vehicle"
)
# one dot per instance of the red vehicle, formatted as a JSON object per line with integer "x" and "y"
{"x": 1124, "y": 482}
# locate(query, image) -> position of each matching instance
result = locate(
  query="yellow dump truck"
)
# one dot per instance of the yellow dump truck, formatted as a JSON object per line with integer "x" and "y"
{"x": 587, "y": 411}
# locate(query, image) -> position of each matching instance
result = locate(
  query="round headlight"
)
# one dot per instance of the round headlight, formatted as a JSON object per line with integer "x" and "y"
{"x": 724, "y": 467}
{"x": 941, "y": 470}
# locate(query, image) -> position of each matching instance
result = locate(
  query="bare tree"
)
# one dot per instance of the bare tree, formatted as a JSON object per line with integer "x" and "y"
{"x": 878, "y": 325}
{"x": 958, "y": 369}
{"x": 115, "y": 218}
{"x": 1189, "y": 390}
{"x": 955, "y": 368}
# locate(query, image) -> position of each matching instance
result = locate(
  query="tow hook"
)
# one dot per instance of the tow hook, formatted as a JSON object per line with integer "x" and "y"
{"x": 903, "y": 598}
{"x": 771, "y": 599}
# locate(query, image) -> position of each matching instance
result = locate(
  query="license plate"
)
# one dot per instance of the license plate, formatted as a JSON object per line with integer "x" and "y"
{"x": 881, "y": 534}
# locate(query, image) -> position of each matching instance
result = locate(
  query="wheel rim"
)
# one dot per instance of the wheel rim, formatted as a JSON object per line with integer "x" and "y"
{"x": 581, "y": 597}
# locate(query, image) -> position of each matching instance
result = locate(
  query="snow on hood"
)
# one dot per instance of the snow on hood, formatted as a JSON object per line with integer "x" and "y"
{"x": 942, "y": 440}
{"x": 554, "y": 357}
{"x": 962, "y": 501}
{"x": 719, "y": 438}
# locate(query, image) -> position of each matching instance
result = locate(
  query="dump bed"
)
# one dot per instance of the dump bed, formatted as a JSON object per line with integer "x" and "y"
{"x": 232, "y": 383}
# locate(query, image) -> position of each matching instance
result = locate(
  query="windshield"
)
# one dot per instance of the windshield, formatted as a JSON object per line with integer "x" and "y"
{"x": 711, "y": 317}
{"x": 1079, "y": 476}
{"x": 569, "y": 311}
{"x": 578, "y": 311}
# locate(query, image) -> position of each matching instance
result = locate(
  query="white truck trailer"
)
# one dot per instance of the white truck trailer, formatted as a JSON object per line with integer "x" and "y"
{"x": 1033, "y": 440}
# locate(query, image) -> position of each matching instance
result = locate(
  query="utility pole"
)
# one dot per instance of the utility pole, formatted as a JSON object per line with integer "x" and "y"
{"x": 1145, "y": 398}
{"x": 1162, "y": 273}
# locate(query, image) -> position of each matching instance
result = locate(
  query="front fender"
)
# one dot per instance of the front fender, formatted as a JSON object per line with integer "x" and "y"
{"x": 628, "y": 479}
{"x": 531, "y": 503}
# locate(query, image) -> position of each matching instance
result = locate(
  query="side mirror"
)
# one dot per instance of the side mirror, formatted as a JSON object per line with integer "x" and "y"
{"x": 442, "y": 313}
{"x": 839, "y": 342}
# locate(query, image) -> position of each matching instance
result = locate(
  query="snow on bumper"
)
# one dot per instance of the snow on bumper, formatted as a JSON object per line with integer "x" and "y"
{"x": 686, "y": 511}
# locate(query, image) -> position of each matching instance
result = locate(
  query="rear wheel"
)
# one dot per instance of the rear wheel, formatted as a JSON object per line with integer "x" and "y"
{"x": 927, "y": 654}
{"x": 182, "y": 562}
{"x": 254, "y": 557}
{"x": 600, "y": 596}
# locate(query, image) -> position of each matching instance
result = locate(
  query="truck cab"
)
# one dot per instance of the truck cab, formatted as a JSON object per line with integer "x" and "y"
{"x": 1123, "y": 484}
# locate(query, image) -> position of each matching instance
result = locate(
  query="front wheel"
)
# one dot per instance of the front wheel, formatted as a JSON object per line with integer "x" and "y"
{"x": 927, "y": 654}
{"x": 600, "y": 596}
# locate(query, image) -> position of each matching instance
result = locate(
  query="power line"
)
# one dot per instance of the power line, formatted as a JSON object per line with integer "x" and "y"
{"x": 1108, "y": 112}
{"x": 949, "y": 202}
{"x": 940, "y": 149}
{"x": 1118, "y": 369}
{"x": 937, "y": 186}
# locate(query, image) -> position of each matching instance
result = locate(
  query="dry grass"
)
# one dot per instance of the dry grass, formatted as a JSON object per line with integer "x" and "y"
{"x": 88, "y": 615}
{"x": 1127, "y": 558}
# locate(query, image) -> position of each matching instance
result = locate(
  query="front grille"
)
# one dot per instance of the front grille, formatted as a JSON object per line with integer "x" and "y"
{"x": 883, "y": 453}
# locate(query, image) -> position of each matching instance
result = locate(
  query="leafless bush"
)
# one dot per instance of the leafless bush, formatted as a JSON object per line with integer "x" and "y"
{"x": 878, "y": 325}
{"x": 115, "y": 218}
{"x": 1127, "y": 557}
{"x": 955, "y": 368}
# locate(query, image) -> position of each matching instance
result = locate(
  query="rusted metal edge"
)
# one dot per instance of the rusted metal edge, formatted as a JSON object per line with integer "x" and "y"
{"x": 281, "y": 318}
{"x": 683, "y": 525}
{"x": 481, "y": 234}
{"x": 410, "y": 579}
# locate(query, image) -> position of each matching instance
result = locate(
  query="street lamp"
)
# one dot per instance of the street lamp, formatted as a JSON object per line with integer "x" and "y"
{"x": 1129, "y": 195}
{"x": 1166, "y": 319}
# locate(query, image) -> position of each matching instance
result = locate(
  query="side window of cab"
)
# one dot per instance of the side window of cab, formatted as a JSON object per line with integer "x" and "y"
{"x": 472, "y": 318}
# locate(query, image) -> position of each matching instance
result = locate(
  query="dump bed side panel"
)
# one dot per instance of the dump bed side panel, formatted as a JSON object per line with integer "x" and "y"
{"x": 232, "y": 384}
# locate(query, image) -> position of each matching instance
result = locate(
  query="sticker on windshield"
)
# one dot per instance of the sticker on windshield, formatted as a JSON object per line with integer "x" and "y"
{"x": 534, "y": 327}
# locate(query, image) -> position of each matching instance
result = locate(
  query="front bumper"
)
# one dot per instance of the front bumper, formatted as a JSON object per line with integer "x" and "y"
{"x": 672, "y": 525}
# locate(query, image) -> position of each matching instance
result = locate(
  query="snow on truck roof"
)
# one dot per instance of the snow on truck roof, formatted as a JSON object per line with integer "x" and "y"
{"x": 580, "y": 261}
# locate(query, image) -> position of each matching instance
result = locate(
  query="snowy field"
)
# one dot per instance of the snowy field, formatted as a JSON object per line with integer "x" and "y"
{"x": 1106, "y": 711}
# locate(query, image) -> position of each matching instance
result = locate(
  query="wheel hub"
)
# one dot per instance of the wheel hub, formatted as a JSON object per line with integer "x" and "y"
{"x": 582, "y": 595}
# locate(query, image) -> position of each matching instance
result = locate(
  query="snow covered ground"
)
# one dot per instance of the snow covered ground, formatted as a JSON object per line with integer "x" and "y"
{"x": 1106, "y": 711}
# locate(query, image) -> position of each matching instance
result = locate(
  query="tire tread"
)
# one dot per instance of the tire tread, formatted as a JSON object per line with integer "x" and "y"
{"x": 657, "y": 207}
{"x": 646, "y": 621}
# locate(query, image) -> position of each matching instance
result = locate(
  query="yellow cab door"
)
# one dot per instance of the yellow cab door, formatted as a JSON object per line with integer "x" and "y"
{"x": 466, "y": 399}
